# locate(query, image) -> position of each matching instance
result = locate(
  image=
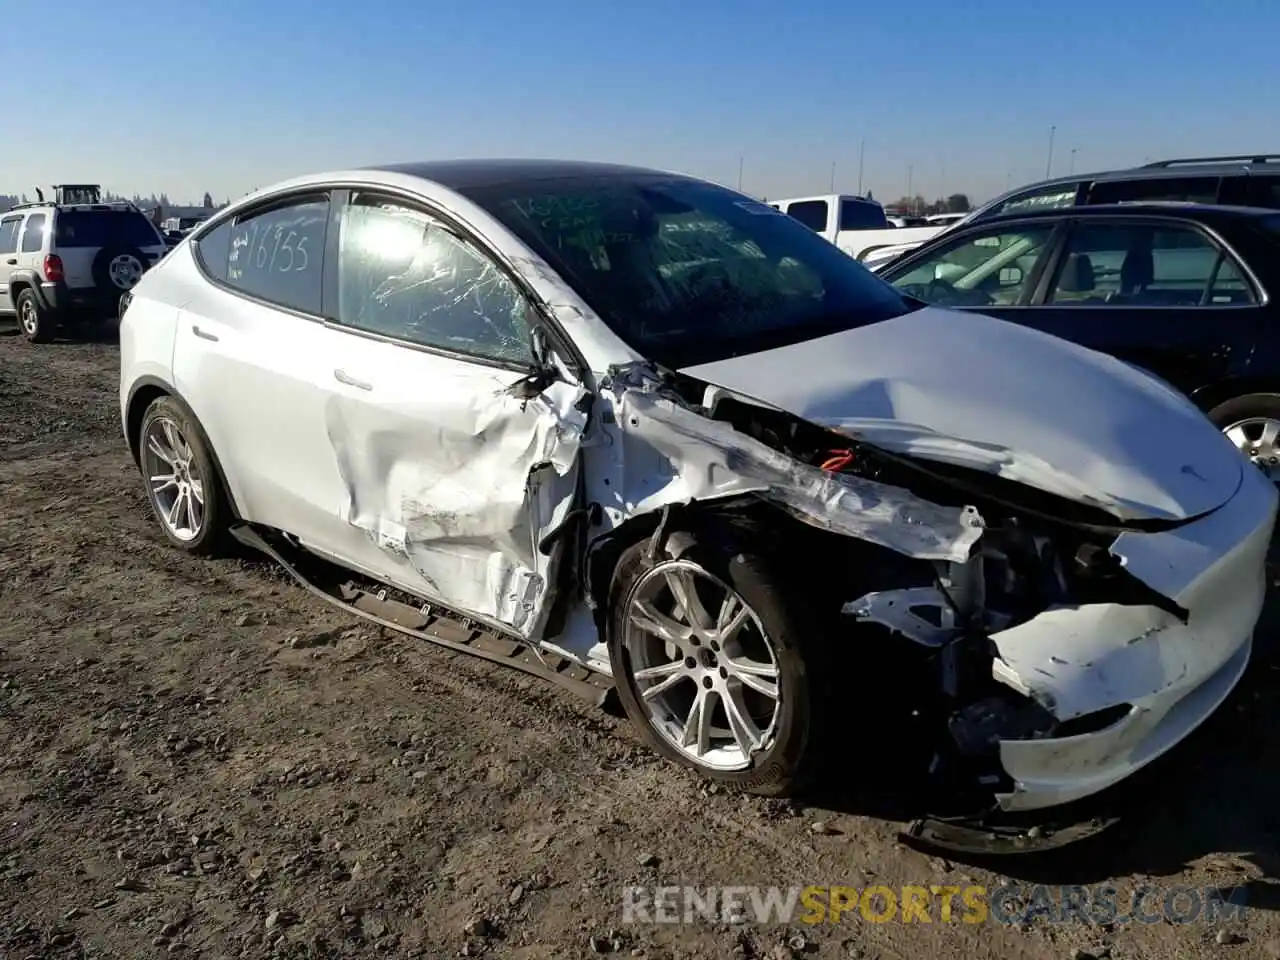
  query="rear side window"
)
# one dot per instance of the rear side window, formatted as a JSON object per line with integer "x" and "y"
{"x": 812, "y": 213}
{"x": 9, "y": 234}
{"x": 276, "y": 255}
{"x": 861, "y": 216}
{"x": 1184, "y": 189}
{"x": 33, "y": 233}
{"x": 103, "y": 228}
{"x": 1045, "y": 198}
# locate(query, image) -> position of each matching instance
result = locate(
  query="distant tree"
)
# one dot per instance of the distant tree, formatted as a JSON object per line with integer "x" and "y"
{"x": 958, "y": 203}
{"x": 870, "y": 196}
{"x": 208, "y": 202}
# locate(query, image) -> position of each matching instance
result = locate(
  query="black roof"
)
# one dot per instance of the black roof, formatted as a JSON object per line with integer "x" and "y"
{"x": 468, "y": 174}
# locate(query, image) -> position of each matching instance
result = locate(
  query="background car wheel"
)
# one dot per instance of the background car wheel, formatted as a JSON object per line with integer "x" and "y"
{"x": 707, "y": 662}
{"x": 1252, "y": 423}
{"x": 182, "y": 483}
{"x": 118, "y": 269}
{"x": 36, "y": 323}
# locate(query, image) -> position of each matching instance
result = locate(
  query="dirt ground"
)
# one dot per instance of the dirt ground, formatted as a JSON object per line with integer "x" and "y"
{"x": 198, "y": 758}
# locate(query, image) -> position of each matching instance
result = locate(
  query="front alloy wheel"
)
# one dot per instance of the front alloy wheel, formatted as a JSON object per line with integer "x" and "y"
{"x": 705, "y": 668}
{"x": 1258, "y": 438}
{"x": 713, "y": 661}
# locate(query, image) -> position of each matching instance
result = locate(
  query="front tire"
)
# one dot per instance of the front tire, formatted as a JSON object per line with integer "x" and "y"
{"x": 37, "y": 323}
{"x": 1252, "y": 423}
{"x": 708, "y": 663}
{"x": 183, "y": 486}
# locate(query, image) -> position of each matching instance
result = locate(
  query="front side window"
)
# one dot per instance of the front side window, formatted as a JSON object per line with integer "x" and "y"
{"x": 992, "y": 268}
{"x": 1180, "y": 189}
{"x": 687, "y": 272}
{"x": 1141, "y": 265}
{"x": 278, "y": 255}
{"x": 406, "y": 275}
{"x": 33, "y": 233}
{"x": 812, "y": 213}
{"x": 9, "y": 234}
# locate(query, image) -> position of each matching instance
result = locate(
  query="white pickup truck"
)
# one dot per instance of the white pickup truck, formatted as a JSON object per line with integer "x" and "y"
{"x": 856, "y": 225}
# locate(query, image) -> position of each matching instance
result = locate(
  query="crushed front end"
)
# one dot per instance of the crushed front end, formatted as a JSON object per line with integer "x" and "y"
{"x": 1066, "y": 651}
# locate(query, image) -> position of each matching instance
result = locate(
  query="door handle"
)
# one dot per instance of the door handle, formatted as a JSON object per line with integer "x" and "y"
{"x": 343, "y": 377}
{"x": 203, "y": 334}
{"x": 12, "y": 261}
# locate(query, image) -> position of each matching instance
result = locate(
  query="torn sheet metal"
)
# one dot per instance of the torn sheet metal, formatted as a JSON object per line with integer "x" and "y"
{"x": 1076, "y": 661}
{"x": 461, "y": 493}
{"x": 961, "y": 388}
{"x": 671, "y": 454}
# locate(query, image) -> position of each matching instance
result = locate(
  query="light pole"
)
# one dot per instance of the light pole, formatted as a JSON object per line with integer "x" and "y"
{"x": 740, "y": 160}
{"x": 862, "y": 156}
{"x": 833, "y": 176}
{"x": 1072, "y": 168}
{"x": 1049, "y": 164}
{"x": 911, "y": 197}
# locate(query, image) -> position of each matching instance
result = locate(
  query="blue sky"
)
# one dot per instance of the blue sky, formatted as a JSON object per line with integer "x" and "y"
{"x": 191, "y": 96}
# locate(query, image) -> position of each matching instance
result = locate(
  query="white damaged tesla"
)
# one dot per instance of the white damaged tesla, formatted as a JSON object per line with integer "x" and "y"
{"x": 628, "y": 428}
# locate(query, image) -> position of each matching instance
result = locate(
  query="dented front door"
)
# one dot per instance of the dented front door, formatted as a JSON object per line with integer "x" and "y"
{"x": 451, "y": 481}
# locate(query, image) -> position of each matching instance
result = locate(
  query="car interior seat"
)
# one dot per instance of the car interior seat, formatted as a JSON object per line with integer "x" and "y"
{"x": 1079, "y": 280}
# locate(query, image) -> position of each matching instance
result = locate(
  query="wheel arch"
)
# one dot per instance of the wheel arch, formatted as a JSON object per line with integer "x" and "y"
{"x": 721, "y": 522}
{"x": 145, "y": 392}
{"x": 21, "y": 280}
{"x": 1208, "y": 397}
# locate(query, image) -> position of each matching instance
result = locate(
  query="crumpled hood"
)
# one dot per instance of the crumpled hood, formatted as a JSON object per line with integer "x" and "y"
{"x": 966, "y": 389}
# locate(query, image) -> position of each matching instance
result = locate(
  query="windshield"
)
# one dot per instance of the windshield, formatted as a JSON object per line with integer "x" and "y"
{"x": 686, "y": 272}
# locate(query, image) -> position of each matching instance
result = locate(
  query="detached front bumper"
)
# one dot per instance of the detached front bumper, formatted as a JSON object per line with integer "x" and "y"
{"x": 1080, "y": 661}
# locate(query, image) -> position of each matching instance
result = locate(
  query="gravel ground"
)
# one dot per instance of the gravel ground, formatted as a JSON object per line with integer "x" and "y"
{"x": 198, "y": 758}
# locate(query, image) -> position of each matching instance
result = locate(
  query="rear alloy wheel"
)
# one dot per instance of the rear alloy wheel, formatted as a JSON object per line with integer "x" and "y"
{"x": 182, "y": 485}
{"x": 707, "y": 663}
{"x": 36, "y": 323}
{"x": 1252, "y": 424}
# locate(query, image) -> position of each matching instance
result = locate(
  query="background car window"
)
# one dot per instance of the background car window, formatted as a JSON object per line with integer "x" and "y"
{"x": 1143, "y": 265}
{"x": 278, "y": 255}
{"x": 1184, "y": 189}
{"x": 101, "y": 228}
{"x": 1264, "y": 192}
{"x": 9, "y": 234}
{"x": 993, "y": 268}
{"x": 812, "y": 213}
{"x": 33, "y": 233}
{"x": 856, "y": 215}
{"x": 1045, "y": 198}
{"x": 403, "y": 274}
